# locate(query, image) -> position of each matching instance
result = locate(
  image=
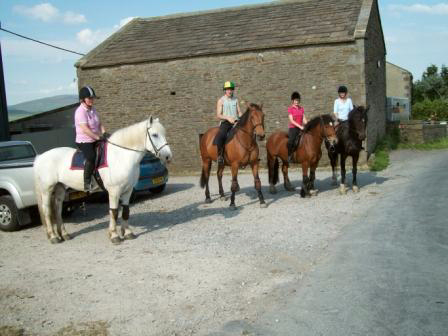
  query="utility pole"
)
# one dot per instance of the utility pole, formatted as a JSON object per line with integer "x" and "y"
{"x": 4, "y": 123}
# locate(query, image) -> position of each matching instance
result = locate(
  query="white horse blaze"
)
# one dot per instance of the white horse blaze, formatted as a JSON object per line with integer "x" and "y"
{"x": 52, "y": 168}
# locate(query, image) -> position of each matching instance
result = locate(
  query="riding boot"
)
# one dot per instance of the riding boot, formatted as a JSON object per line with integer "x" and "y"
{"x": 88, "y": 170}
{"x": 290, "y": 154}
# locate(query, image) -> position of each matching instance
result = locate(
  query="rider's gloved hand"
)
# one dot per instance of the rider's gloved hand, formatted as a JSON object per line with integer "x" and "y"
{"x": 104, "y": 136}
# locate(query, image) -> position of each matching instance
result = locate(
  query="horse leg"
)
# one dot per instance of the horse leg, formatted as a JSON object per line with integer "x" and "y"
{"x": 334, "y": 161}
{"x": 342, "y": 187}
{"x": 113, "y": 213}
{"x": 286, "y": 182}
{"x": 59, "y": 195}
{"x": 272, "y": 173}
{"x": 219, "y": 174}
{"x": 125, "y": 229}
{"x": 313, "y": 191}
{"x": 305, "y": 191}
{"x": 355, "y": 158}
{"x": 206, "y": 167}
{"x": 47, "y": 202}
{"x": 257, "y": 182}
{"x": 235, "y": 187}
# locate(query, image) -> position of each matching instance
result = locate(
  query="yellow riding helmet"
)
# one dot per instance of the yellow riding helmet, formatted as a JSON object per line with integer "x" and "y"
{"x": 229, "y": 85}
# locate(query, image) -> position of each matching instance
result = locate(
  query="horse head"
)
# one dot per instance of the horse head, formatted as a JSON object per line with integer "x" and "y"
{"x": 256, "y": 117}
{"x": 357, "y": 120}
{"x": 329, "y": 132}
{"x": 156, "y": 140}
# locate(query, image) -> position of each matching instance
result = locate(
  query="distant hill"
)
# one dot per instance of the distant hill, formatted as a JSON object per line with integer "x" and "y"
{"x": 31, "y": 107}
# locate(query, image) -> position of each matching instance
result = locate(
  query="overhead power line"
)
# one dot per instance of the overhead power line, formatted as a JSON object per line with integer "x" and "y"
{"x": 37, "y": 41}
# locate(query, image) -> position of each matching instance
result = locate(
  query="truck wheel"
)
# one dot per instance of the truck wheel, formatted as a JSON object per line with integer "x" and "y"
{"x": 9, "y": 215}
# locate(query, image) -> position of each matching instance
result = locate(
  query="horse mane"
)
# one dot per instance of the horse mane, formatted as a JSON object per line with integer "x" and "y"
{"x": 133, "y": 136}
{"x": 326, "y": 118}
{"x": 245, "y": 117}
{"x": 357, "y": 110}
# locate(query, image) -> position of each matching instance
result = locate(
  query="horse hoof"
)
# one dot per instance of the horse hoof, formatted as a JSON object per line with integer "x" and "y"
{"x": 208, "y": 200}
{"x": 222, "y": 198}
{"x": 130, "y": 236}
{"x": 302, "y": 193}
{"x": 55, "y": 240}
{"x": 272, "y": 189}
{"x": 342, "y": 189}
{"x": 355, "y": 189}
{"x": 116, "y": 240}
{"x": 66, "y": 237}
{"x": 334, "y": 182}
{"x": 263, "y": 205}
{"x": 232, "y": 207}
{"x": 314, "y": 192}
{"x": 289, "y": 187}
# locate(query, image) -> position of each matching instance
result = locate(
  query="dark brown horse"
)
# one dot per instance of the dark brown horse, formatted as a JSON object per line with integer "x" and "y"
{"x": 308, "y": 153}
{"x": 240, "y": 150}
{"x": 350, "y": 135}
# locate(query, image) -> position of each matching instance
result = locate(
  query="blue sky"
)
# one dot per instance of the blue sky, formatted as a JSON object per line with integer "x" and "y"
{"x": 416, "y": 34}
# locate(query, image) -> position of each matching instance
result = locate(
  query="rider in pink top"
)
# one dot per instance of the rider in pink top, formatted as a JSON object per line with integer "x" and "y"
{"x": 88, "y": 131}
{"x": 297, "y": 120}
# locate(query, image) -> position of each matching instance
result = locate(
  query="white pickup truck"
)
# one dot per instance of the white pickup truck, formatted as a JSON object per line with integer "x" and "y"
{"x": 17, "y": 197}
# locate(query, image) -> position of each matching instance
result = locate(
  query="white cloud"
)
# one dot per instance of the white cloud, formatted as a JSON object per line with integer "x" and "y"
{"x": 90, "y": 38}
{"x": 124, "y": 21}
{"x": 46, "y": 12}
{"x": 70, "y": 17}
{"x": 441, "y": 8}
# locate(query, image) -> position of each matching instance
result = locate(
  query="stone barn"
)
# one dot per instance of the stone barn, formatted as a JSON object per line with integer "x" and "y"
{"x": 173, "y": 67}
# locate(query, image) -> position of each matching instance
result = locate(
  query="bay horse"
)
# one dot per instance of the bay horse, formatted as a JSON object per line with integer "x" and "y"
{"x": 125, "y": 149}
{"x": 351, "y": 134}
{"x": 240, "y": 150}
{"x": 308, "y": 153}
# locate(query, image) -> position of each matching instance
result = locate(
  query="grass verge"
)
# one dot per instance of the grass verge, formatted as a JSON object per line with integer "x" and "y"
{"x": 437, "y": 144}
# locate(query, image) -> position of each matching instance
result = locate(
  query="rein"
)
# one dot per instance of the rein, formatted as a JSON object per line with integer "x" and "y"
{"x": 156, "y": 150}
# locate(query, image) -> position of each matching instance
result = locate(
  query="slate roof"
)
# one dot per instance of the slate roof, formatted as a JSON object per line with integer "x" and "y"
{"x": 261, "y": 27}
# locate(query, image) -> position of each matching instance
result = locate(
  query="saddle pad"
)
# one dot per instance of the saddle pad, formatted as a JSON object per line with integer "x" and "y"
{"x": 101, "y": 158}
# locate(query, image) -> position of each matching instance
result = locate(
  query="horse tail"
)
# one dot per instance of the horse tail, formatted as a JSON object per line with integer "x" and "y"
{"x": 38, "y": 191}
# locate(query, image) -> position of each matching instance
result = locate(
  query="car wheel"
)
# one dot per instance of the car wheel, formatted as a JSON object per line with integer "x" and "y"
{"x": 159, "y": 189}
{"x": 9, "y": 215}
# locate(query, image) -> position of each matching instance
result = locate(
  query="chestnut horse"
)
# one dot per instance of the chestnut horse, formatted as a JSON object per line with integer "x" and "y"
{"x": 351, "y": 134}
{"x": 308, "y": 153}
{"x": 240, "y": 150}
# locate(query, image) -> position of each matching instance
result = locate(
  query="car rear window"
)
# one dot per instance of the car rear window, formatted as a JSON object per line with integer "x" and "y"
{"x": 16, "y": 152}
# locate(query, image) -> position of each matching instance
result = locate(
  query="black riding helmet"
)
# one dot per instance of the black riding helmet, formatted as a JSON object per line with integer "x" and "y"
{"x": 87, "y": 92}
{"x": 295, "y": 95}
{"x": 342, "y": 89}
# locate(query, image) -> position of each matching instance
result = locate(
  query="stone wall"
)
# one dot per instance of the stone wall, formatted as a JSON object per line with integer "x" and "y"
{"x": 418, "y": 132}
{"x": 183, "y": 93}
{"x": 375, "y": 79}
{"x": 399, "y": 81}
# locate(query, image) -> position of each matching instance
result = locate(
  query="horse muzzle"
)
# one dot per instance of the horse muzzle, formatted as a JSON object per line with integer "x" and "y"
{"x": 261, "y": 137}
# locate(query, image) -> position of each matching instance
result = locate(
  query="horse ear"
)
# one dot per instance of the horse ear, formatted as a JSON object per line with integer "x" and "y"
{"x": 156, "y": 120}
{"x": 150, "y": 120}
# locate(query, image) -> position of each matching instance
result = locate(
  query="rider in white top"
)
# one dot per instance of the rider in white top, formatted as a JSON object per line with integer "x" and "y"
{"x": 343, "y": 105}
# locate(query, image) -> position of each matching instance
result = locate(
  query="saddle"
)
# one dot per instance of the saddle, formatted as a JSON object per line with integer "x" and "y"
{"x": 78, "y": 160}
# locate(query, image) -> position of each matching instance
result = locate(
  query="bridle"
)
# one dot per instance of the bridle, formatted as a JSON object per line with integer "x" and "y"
{"x": 325, "y": 135}
{"x": 252, "y": 134}
{"x": 156, "y": 150}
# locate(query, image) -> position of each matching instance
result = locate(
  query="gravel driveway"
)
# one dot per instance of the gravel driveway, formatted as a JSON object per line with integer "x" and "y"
{"x": 195, "y": 268}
